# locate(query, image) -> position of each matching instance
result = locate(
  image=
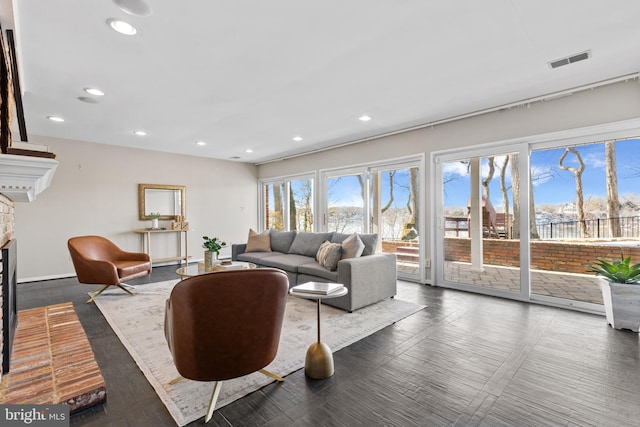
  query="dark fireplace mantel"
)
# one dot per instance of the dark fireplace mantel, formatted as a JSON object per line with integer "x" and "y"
{"x": 9, "y": 301}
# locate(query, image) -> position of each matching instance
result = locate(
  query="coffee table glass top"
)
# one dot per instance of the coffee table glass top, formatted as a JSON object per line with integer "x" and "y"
{"x": 197, "y": 269}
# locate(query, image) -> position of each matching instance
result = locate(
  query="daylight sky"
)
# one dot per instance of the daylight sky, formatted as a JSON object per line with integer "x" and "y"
{"x": 554, "y": 185}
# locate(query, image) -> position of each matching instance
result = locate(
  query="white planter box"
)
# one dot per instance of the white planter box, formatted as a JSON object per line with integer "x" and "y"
{"x": 621, "y": 304}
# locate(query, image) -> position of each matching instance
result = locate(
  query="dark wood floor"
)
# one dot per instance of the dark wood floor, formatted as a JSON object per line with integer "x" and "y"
{"x": 466, "y": 360}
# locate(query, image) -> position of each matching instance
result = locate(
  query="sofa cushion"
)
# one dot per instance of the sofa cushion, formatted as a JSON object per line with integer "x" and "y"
{"x": 287, "y": 262}
{"x": 258, "y": 242}
{"x": 281, "y": 240}
{"x": 310, "y": 272}
{"x": 329, "y": 254}
{"x": 308, "y": 243}
{"x": 370, "y": 241}
{"x": 352, "y": 247}
{"x": 256, "y": 257}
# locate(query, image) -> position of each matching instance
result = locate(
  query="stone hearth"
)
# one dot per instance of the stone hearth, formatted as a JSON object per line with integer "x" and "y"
{"x": 52, "y": 361}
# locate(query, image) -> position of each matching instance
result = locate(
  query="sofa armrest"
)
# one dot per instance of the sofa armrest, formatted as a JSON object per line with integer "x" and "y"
{"x": 237, "y": 249}
{"x": 370, "y": 279}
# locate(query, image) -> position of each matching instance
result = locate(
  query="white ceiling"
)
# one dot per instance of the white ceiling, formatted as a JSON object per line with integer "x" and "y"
{"x": 241, "y": 74}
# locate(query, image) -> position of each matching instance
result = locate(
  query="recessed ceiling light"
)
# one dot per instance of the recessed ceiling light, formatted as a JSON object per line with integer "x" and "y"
{"x": 297, "y": 138}
{"x": 122, "y": 27}
{"x": 364, "y": 118}
{"x": 201, "y": 143}
{"x": 139, "y": 132}
{"x": 93, "y": 91}
{"x": 55, "y": 118}
{"x": 248, "y": 150}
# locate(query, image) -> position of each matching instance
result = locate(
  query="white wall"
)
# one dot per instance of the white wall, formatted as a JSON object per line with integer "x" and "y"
{"x": 95, "y": 191}
{"x": 611, "y": 103}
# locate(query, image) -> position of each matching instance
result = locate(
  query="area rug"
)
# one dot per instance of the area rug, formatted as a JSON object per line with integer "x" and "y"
{"x": 139, "y": 323}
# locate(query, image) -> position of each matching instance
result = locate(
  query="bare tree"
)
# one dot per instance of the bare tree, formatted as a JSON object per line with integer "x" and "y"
{"x": 489, "y": 177}
{"x": 613, "y": 202}
{"x": 504, "y": 190}
{"x": 515, "y": 192}
{"x": 293, "y": 214}
{"x": 388, "y": 205}
{"x": 533, "y": 226}
{"x": 577, "y": 174}
{"x": 277, "y": 215}
{"x": 410, "y": 228}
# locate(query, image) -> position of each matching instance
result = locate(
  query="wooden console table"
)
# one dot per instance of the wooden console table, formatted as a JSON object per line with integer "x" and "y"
{"x": 146, "y": 244}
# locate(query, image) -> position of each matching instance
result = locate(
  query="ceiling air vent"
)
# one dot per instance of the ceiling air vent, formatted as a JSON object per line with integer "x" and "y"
{"x": 570, "y": 59}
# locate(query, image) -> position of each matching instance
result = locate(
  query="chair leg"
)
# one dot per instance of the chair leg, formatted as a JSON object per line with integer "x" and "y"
{"x": 97, "y": 293}
{"x": 126, "y": 290}
{"x": 271, "y": 375}
{"x": 176, "y": 380}
{"x": 105, "y": 288}
{"x": 217, "y": 385}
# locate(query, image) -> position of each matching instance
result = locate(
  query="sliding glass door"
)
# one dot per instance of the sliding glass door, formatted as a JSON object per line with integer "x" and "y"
{"x": 385, "y": 199}
{"x": 479, "y": 237}
{"x": 587, "y": 204}
{"x": 524, "y": 219}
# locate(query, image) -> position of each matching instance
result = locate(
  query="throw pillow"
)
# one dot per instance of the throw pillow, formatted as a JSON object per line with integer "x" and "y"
{"x": 329, "y": 254}
{"x": 352, "y": 247}
{"x": 258, "y": 242}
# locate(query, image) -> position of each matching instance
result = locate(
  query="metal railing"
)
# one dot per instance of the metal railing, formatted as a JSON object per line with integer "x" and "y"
{"x": 596, "y": 228}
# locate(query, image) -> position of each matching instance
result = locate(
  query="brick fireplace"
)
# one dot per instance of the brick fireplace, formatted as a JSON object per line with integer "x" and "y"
{"x": 22, "y": 178}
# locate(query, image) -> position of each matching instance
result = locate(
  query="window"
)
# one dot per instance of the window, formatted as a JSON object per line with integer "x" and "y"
{"x": 287, "y": 203}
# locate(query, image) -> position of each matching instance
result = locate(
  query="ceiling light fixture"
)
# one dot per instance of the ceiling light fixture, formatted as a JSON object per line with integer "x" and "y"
{"x": 364, "y": 118}
{"x": 201, "y": 143}
{"x": 297, "y": 138}
{"x": 55, "y": 118}
{"x": 139, "y": 132}
{"x": 122, "y": 27}
{"x": 248, "y": 150}
{"x": 93, "y": 91}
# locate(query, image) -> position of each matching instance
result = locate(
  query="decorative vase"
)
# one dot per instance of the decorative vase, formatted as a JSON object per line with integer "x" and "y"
{"x": 621, "y": 304}
{"x": 154, "y": 223}
{"x": 208, "y": 259}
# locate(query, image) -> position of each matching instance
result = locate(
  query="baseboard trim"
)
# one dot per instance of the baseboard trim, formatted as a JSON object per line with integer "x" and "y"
{"x": 41, "y": 278}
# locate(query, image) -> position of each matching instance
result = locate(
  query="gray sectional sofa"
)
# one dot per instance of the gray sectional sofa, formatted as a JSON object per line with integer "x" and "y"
{"x": 370, "y": 277}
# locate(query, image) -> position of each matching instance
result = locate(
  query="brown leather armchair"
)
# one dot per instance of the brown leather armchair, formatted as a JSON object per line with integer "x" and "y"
{"x": 98, "y": 261}
{"x": 225, "y": 325}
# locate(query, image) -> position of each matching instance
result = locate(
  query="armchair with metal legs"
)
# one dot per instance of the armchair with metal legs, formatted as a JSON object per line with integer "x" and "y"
{"x": 225, "y": 325}
{"x": 98, "y": 261}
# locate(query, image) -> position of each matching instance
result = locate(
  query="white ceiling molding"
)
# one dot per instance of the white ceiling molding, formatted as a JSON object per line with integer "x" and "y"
{"x": 22, "y": 178}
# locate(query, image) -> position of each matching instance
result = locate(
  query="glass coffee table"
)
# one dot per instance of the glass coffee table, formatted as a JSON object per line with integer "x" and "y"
{"x": 199, "y": 268}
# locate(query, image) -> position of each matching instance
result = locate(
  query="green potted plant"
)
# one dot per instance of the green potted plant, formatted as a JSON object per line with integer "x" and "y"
{"x": 212, "y": 245}
{"x": 620, "y": 291}
{"x": 154, "y": 219}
